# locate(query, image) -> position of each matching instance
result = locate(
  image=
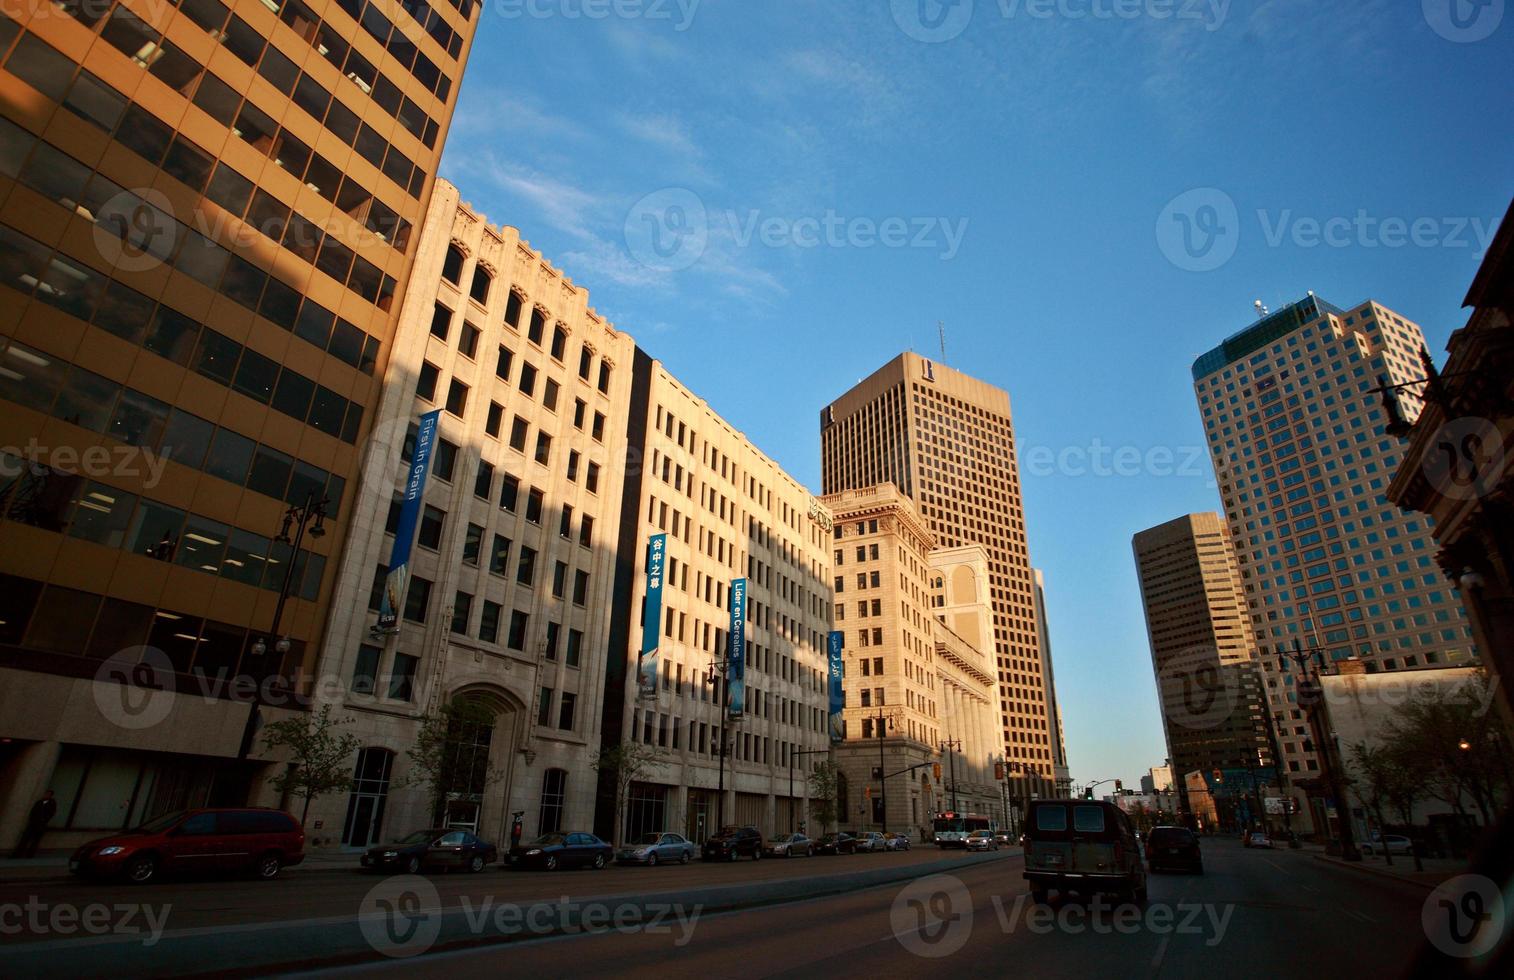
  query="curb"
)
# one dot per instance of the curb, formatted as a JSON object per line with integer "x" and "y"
{"x": 1379, "y": 873}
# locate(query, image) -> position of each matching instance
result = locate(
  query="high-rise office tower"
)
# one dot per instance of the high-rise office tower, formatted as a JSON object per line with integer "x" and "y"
{"x": 1295, "y": 430}
{"x": 1061, "y": 769}
{"x": 1202, "y": 651}
{"x": 947, "y": 441}
{"x": 207, "y": 215}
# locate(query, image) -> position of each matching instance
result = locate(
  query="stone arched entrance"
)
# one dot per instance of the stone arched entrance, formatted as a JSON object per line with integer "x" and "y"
{"x": 485, "y": 725}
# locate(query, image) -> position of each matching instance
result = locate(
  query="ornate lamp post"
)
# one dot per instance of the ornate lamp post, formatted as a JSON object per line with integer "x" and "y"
{"x": 1310, "y": 663}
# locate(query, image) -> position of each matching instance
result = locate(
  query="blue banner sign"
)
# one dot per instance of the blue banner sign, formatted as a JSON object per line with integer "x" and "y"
{"x": 838, "y": 694}
{"x": 736, "y": 676}
{"x": 651, "y": 619}
{"x": 398, "y": 579}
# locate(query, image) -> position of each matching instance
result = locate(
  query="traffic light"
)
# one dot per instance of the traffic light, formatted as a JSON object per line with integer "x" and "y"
{"x": 1118, "y": 786}
{"x": 935, "y": 768}
{"x": 867, "y": 793}
{"x": 1219, "y": 777}
{"x": 998, "y": 770}
{"x": 1088, "y": 793}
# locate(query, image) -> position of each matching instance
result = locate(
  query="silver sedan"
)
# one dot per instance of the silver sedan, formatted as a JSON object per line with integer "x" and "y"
{"x": 788, "y": 845}
{"x": 655, "y": 849}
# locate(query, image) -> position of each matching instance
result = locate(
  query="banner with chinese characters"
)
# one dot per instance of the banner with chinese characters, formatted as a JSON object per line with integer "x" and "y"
{"x": 651, "y": 620}
{"x": 834, "y": 644}
{"x": 736, "y": 675}
{"x": 398, "y": 580}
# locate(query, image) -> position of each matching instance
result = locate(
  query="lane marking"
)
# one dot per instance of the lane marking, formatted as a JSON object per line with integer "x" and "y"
{"x": 1156, "y": 963}
{"x": 1280, "y": 867}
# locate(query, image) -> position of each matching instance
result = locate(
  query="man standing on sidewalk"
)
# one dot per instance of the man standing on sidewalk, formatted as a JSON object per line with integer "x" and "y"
{"x": 36, "y": 825}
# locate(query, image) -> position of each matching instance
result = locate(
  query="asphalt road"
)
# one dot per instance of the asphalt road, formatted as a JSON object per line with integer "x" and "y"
{"x": 1265, "y": 914}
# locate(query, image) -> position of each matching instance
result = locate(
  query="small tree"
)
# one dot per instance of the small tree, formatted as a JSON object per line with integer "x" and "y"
{"x": 824, "y": 784}
{"x": 625, "y": 763}
{"x": 322, "y": 755}
{"x": 446, "y": 759}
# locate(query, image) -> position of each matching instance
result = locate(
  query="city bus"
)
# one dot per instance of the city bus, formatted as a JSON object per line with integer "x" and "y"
{"x": 950, "y": 829}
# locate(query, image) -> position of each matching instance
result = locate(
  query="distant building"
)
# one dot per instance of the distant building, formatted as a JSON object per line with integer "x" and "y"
{"x": 1061, "y": 773}
{"x": 1209, "y": 686}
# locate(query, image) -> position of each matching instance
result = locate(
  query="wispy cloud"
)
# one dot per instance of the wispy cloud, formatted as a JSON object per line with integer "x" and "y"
{"x": 559, "y": 203}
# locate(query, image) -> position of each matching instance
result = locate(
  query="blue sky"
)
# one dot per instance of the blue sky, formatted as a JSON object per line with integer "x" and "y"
{"x": 777, "y": 198}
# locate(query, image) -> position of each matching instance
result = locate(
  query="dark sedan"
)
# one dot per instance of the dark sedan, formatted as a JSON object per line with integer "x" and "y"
{"x": 1174, "y": 849}
{"x": 439, "y": 849}
{"x": 836, "y": 844}
{"x": 567, "y": 850}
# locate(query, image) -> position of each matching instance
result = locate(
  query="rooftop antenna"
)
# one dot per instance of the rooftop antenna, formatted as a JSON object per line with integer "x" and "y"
{"x": 1261, "y": 309}
{"x": 941, "y": 330}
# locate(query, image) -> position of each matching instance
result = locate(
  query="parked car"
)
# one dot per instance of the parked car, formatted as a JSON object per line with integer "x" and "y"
{"x": 549, "y": 852}
{"x": 840, "y": 843}
{"x": 1259, "y": 839}
{"x": 789, "y": 845}
{"x": 870, "y": 841}
{"x": 1082, "y": 845}
{"x": 896, "y": 842}
{"x": 657, "y": 848}
{"x": 442, "y": 848}
{"x": 1175, "y": 848}
{"x": 200, "y": 841}
{"x": 731, "y": 843}
{"x": 1391, "y": 844}
{"x": 982, "y": 840}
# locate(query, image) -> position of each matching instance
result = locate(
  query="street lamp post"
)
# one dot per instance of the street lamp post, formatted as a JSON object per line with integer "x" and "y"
{"x": 720, "y": 669}
{"x": 1310, "y": 662}
{"x": 885, "y": 722}
{"x": 312, "y": 513}
{"x": 951, "y": 746}
{"x": 792, "y": 754}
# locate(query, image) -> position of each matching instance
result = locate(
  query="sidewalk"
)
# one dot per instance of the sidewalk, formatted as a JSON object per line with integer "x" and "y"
{"x": 1436, "y": 870}
{"x": 55, "y": 866}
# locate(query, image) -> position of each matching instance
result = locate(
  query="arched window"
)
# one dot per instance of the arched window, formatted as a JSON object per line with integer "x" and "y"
{"x": 482, "y": 280}
{"x": 554, "y": 791}
{"x": 452, "y": 269}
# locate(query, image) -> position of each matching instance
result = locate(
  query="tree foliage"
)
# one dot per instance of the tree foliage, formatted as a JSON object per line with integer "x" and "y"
{"x": 626, "y": 763}
{"x": 824, "y": 785}
{"x": 450, "y": 757}
{"x": 321, "y": 755}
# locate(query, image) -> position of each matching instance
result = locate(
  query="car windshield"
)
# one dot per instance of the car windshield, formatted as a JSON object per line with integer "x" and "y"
{"x": 162, "y": 823}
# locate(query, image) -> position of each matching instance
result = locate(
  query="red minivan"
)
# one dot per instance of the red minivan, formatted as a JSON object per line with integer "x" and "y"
{"x": 262, "y": 841}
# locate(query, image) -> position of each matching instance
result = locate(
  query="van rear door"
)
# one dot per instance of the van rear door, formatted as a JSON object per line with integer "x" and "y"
{"x": 1048, "y": 841}
{"x": 1094, "y": 841}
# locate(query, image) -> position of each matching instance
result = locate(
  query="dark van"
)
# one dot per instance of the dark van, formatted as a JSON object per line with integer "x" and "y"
{"x": 1173, "y": 848}
{"x": 1085, "y": 846}
{"x": 260, "y": 841}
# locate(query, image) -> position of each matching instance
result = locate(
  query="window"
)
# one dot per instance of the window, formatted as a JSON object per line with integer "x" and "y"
{"x": 502, "y": 364}
{"x": 559, "y": 342}
{"x": 604, "y": 377}
{"x": 417, "y": 599}
{"x": 578, "y": 413}
{"x": 565, "y": 712}
{"x": 457, "y": 398}
{"x": 598, "y": 430}
{"x": 538, "y": 325}
{"x": 499, "y": 555}
{"x": 473, "y": 543}
{"x": 444, "y": 463}
{"x": 591, "y": 479}
{"x": 580, "y": 587}
{"x": 488, "y": 622}
{"x": 518, "y": 623}
{"x": 575, "y": 648}
{"x": 462, "y": 611}
{"x": 534, "y": 506}
{"x": 452, "y": 268}
{"x": 509, "y": 493}
{"x": 543, "y": 448}
{"x": 365, "y": 671}
{"x": 549, "y": 395}
{"x": 554, "y": 788}
{"x": 483, "y": 484}
{"x": 527, "y": 382}
{"x": 496, "y": 419}
{"x": 525, "y": 572}
{"x": 425, "y": 385}
{"x": 513, "y": 308}
{"x": 586, "y": 531}
{"x": 559, "y": 580}
{"x": 402, "y": 677}
{"x": 518, "y": 429}
{"x": 431, "y": 527}
{"x": 573, "y": 458}
{"x": 585, "y": 360}
{"x": 549, "y": 648}
{"x": 482, "y": 281}
{"x": 565, "y": 523}
{"x": 467, "y": 343}
{"x": 441, "y": 322}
